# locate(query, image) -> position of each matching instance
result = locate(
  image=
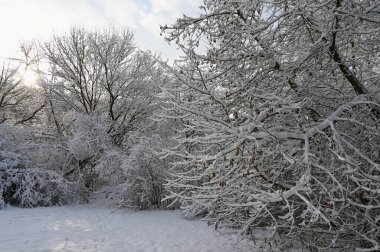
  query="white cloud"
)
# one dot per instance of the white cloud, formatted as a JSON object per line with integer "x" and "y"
{"x": 24, "y": 20}
{"x": 120, "y": 12}
{"x": 164, "y": 12}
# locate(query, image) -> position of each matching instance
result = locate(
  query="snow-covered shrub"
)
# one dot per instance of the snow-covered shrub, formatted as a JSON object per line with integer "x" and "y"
{"x": 31, "y": 169}
{"x": 28, "y": 187}
{"x": 88, "y": 146}
{"x": 134, "y": 172}
{"x": 90, "y": 138}
{"x": 109, "y": 165}
{"x": 144, "y": 179}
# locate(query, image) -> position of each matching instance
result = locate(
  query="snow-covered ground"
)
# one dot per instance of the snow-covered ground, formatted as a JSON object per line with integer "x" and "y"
{"x": 86, "y": 228}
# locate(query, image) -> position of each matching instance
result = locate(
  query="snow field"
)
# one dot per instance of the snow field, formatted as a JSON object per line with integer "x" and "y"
{"x": 94, "y": 229}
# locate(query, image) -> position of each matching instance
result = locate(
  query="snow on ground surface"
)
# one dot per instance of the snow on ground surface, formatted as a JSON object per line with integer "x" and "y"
{"x": 86, "y": 228}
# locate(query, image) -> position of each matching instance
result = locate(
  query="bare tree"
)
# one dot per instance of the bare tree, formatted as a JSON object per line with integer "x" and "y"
{"x": 9, "y": 92}
{"x": 101, "y": 73}
{"x": 18, "y": 103}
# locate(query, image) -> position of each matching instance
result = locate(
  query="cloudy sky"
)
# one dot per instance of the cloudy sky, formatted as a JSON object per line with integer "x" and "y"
{"x": 25, "y": 20}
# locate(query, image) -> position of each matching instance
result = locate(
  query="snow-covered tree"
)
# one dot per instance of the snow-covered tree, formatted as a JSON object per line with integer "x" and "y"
{"x": 280, "y": 104}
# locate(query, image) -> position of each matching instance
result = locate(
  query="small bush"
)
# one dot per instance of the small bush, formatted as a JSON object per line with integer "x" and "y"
{"x": 28, "y": 187}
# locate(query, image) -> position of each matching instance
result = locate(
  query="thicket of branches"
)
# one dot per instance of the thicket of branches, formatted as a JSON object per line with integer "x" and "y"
{"x": 280, "y": 108}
